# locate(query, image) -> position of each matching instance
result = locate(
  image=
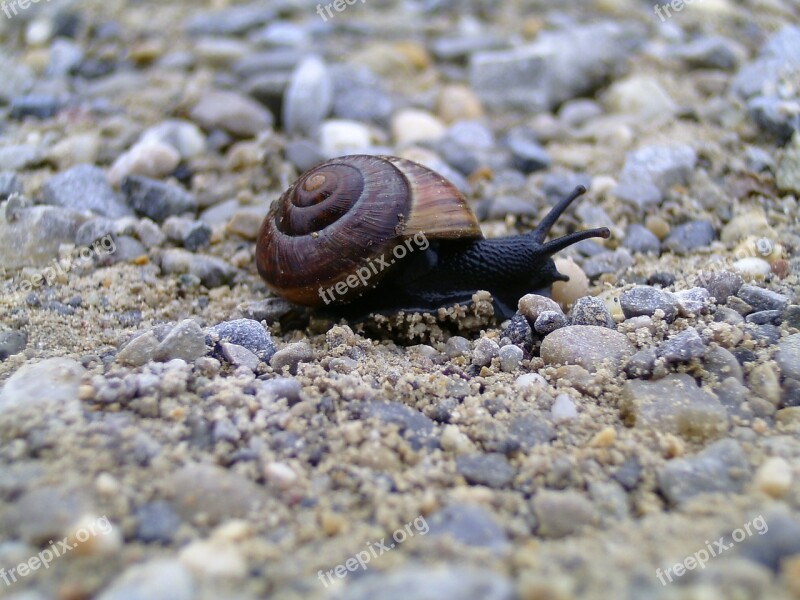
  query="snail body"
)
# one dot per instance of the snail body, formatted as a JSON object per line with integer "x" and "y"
{"x": 380, "y": 234}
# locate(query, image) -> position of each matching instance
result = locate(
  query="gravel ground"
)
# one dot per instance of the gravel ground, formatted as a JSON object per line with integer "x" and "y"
{"x": 171, "y": 430}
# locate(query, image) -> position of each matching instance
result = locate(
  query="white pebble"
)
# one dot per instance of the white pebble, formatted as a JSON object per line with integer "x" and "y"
{"x": 752, "y": 267}
{"x": 531, "y": 380}
{"x": 563, "y": 409}
{"x": 774, "y": 477}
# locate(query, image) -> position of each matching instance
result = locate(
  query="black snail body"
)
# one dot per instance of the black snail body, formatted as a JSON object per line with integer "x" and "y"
{"x": 361, "y": 234}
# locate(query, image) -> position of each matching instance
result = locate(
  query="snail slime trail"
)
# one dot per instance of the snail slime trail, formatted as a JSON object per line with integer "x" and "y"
{"x": 363, "y": 274}
{"x": 350, "y": 226}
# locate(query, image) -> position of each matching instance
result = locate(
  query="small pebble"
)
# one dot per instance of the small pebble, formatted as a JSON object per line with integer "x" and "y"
{"x": 510, "y": 357}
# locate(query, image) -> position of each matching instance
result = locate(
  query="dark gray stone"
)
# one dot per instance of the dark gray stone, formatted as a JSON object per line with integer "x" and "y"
{"x": 416, "y": 427}
{"x": 646, "y": 300}
{"x": 155, "y": 199}
{"x": 720, "y": 284}
{"x": 721, "y": 467}
{"x": 247, "y": 333}
{"x": 157, "y": 522}
{"x": 470, "y": 525}
{"x": 492, "y": 470}
{"x": 762, "y": 299}
{"x": 683, "y": 347}
{"x": 690, "y": 236}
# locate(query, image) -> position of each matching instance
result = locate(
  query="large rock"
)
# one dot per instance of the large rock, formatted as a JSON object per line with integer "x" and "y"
{"x": 586, "y": 345}
{"x": 45, "y": 385}
{"x": 85, "y": 187}
{"x": 722, "y": 467}
{"x": 560, "y": 65}
{"x": 31, "y": 237}
{"x": 673, "y": 404}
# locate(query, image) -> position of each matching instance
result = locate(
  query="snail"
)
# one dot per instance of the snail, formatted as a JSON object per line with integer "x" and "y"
{"x": 369, "y": 234}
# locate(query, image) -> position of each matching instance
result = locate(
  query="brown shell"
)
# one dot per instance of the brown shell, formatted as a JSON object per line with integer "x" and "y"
{"x": 339, "y": 215}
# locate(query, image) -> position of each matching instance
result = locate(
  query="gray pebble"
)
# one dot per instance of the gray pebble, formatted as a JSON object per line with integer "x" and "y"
{"x": 485, "y": 350}
{"x": 492, "y": 470}
{"x": 607, "y": 262}
{"x": 11, "y": 343}
{"x": 791, "y": 316}
{"x": 762, "y": 299}
{"x": 528, "y": 154}
{"x": 191, "y": 234}
{"x": 47, "y": 385}
{"x": 283, "y": 387}
{"x": 646, "y": 300}
{"x": 720, "y": 284}
{"x": 85, "y": 187}
{"x": 694, "y": 301}
{"x": 212, "y": 493}
{"x": 156, "y": 579}
{"x": 210, "y": 270}
{"x": 682, "y": 347}
{"x": 788, "y": 356}
{"x": 775, "y": 537}
{"x": 689, "y": 236}
{"x": 41, "y": 106}
{"x": 239, "y": 356}
{"x": 777, "y": 116}
{"x": 309, "y": 97}
{"x": 419, "y": 429}
{"x": 588, "y": 346}
{"x": 269, "y": 310}
{"x": 639, "y": 238}
{"x": 10, "y": 183}
{"x": 236, "y": 114}
{"x": 510, "y": 357}
{"x": 93, "y": 230}
{"x": 589, "y": 310}
{"x": 764, "y": 317}
{"x": 139, "y": 351}
{"x": 247, "y": 333}
{"x": 531, "y": 430}
{"x": 422, "y": 581}
{"x": 653, "y": 170}
{"x": 186, "y": 341}
{"x": 290, "y": 356}
{"x": 230, "y": 21}
{"x": 155, "y": 199}
{"x": 674, "y": 404}
{"x": 523, "y": 78}
{"x": 456, "y": 346}
{"x": 157, "y": 522}
{"x": 641, "y": 364}
{"x": 720, "y": 362}
{"x": 562, "y": 513}
{"x": 710, "y": 52}
{"x": 468, "y": 524}
{"x": 19, "y": 157}
{"x": 721, "y": 467}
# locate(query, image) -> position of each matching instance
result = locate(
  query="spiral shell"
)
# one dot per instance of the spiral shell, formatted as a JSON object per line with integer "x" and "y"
{"x": 339, "y": 215}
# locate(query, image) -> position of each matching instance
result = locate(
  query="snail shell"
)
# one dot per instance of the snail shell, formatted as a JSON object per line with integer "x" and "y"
{"x": 348, "y": 210}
